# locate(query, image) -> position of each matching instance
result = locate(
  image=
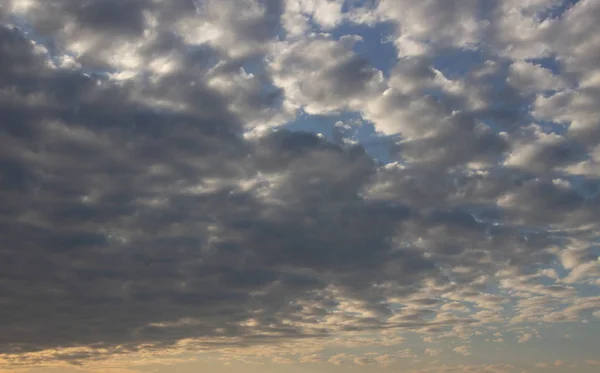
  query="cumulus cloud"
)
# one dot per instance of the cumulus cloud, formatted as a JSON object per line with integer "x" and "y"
{"x": 158, "y": 200}
{"x": 320, "y": 75}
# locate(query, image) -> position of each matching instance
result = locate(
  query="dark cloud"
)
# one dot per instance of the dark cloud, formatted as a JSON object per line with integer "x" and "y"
{"x": 113, "y": 16}
{"x": 460, "y": 141}
{"x": 119, "y": 219}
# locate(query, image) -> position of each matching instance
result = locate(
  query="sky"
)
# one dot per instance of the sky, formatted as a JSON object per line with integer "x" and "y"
{"x": 299, "y": 186}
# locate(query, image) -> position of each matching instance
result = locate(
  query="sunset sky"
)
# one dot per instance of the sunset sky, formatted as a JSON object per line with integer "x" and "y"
{"x": 300, "y": 186}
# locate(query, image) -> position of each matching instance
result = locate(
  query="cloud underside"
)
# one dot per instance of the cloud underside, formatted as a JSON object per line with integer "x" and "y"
{"x": 153, "y": 200}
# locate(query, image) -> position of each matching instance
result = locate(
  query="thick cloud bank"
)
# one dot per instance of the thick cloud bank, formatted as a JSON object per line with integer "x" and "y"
{"x": 153, "y": 200}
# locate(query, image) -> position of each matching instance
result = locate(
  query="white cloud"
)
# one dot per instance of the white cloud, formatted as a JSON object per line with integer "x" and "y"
{"x": 322, "y": 75}
{"x": 529, "y": 77}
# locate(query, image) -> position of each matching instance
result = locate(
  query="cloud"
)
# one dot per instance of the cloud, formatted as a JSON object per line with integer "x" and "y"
{"x": 431, "y": 352}
{"x": 298, "y": 15}
{"x": 463, "y": 350}
{"x": 525, "y": 338}
{"x": 321, "y": 75}
{"x": 156, "y": 201}
{"x": 339, "y": 359}
{"x": 362, "y": 360}
{"x": 385, "y": 360}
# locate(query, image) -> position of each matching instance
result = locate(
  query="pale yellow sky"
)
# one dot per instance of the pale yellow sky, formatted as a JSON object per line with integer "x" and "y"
{"x": 554, "y": 366}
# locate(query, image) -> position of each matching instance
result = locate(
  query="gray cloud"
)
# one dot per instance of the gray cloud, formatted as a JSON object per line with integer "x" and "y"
{"x": 121, "y": 221}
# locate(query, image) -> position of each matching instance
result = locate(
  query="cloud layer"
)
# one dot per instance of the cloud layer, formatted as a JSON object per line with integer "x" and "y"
{"x": 153, "y": 200}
